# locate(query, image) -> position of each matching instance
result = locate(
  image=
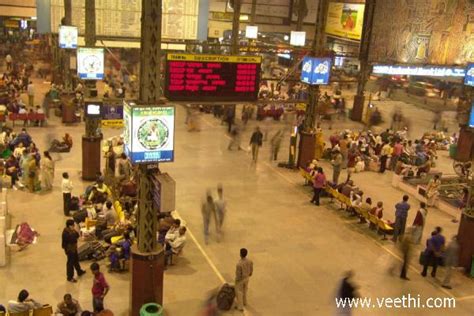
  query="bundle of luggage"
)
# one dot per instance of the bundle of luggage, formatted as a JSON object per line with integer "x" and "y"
{"x": 92, "y": 250}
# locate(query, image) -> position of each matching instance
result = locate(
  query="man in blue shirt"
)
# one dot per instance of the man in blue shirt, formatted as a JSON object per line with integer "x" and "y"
{"x": 401, "y": 214}
{"x": 434, "y": 250}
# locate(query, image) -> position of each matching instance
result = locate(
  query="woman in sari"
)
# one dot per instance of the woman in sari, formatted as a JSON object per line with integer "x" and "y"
{"x": 47, "y": 171}
{"x": 432, "y": 190}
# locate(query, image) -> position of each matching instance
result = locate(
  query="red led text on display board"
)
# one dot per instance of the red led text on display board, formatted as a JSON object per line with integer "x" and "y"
{"x": 212, "y": 78}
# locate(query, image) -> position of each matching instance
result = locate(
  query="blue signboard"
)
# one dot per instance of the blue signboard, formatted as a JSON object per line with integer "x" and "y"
{"x": 469, "y": 78}
{"x": 316, "y": 70}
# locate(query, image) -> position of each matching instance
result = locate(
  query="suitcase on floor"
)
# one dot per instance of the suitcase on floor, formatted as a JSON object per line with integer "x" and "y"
{"x": 225, "y": 297}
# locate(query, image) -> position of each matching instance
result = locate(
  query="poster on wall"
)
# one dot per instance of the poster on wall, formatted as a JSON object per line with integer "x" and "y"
{"x": 345, "y": 20}
{"x": 149, "y": 133}
{"x": 90, "y": 63}
{"x": 316, "y": 71}
{"x": 68, "y": 36}
{"x": 112, "y": 114}
{"x": 423, "y": 32}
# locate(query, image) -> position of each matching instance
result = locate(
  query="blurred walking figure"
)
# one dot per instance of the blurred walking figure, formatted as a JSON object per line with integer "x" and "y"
{"x": 346, "y": 293}
{"x": 220, "y": 206}
{"x": 235, "y": 138}
{"x": 406, "y": 247}
{"x": 434, "y": 250}
{"x": 256, "y": 142}
{"x": 208, "y": 211}
{"x": 451, "y": 256}
{"x": 243, "y": 272}
{"x": 276, "y": 143}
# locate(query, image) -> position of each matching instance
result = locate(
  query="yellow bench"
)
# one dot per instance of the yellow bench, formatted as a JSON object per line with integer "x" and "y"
{"x": 306, "y": 175}
{"x": 384, "y": 227}
{"x": 373, "y": 220}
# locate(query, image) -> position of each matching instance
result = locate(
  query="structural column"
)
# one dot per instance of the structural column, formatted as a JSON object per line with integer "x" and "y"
{"x": 91, "y": 140}
{"x": 307, "y": 135}
{"x": 359, "y": 98}
{"x": 235, "y": 26}
{"x": 147, "y": 266}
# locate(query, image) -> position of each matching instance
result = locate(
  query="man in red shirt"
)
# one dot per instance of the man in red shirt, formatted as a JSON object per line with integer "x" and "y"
{"x": 396, "y": 154}
{"x": 100, "y": 288}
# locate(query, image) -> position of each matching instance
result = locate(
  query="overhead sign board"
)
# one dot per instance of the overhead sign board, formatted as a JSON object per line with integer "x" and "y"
{"x": 316, "y": 71}
{"x": 149, "y": 133}
{"x": 297, "y": 38}
{"x": 469, "y": 78}
{"x": 251, "y": 31}
{"x": 345, "y": 20}
{"x": 428, "y": 71}
{"x": 90, "y": 63}
{"x": 212, "y": 77}
{"x": 68, "y": 36}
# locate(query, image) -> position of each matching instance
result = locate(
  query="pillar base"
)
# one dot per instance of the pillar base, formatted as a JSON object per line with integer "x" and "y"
{"x": 306, "y": 149}
{"x": 358, "y": 108}
{"x": 146, "y": 278}
{"x": 90, "y": 157}
{"x": 466, "y": 242}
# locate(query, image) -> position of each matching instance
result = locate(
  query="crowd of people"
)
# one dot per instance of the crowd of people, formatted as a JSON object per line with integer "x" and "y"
{"x": 23, "y": 164}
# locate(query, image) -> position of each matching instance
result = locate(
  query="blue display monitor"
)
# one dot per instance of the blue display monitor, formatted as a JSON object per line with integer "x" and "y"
{"x": 469, "y": 78}
{"x": 316, "y": 71}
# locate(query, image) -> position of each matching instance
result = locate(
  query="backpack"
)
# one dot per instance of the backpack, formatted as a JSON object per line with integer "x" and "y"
{"x": 225, "y": 297}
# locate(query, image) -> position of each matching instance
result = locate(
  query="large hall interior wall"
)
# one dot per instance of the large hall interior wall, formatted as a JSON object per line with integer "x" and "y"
{"x": 423, "y": 31}
{"x": 18, "y": 8}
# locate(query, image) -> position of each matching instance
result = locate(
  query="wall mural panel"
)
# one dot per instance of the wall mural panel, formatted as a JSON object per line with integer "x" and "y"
{"x": 423, "y": 32}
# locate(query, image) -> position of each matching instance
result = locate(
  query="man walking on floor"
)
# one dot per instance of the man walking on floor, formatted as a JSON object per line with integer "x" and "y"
{"x": 100, "y": 288}
{"x": 256, "y": 142}
{"x": 69, "y": 244}
{"x": 336, "y": 162}
{"x": 401, "y": 214}
{"x": 244, "y": 270}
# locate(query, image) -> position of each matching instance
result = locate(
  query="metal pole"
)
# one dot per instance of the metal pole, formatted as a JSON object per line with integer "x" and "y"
{"x": 66, "y": 71}
{"x": 302, "y": 13}
{"x": 150, "y": 92}
{"x": 364, "y": 72}
{"x": 90, "y": 36}
{"x": 235, "y": 27}
{"x": 253, "y": 15}
{"x": 317, "y": 48}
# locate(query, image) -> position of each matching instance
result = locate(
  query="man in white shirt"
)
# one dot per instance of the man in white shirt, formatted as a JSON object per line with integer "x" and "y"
{"x": 173, "y": 232}
{"x": 66, "y": 188}
{"x": 174, "y": 247}
{"x": 9, "y": 61}
{"x": 31, "y": 94}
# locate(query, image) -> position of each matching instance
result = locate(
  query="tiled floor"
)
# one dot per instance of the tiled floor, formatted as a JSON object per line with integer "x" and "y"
{"x": 300, "y": 251}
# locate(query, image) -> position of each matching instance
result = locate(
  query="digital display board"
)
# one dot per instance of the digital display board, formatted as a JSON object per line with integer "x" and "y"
{"x": 90, "y": 63}
{"x": 469, "y": 78}
{"x": 68, "y": 36}
{"x": 430, "y": 71}
{"x": 316, "y": 70}
{"x": 149, "y": 133}
{"x": 212, "y": 77}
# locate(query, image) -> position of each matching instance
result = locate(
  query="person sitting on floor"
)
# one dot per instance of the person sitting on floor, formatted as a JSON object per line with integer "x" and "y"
{"x": 102, "y": 189}
{"x": 23, "y": 304}
{"x": 69, "y": 307}
{"x": 110, "y": 214}
{"x": 174, "y": 247}
{"x": 62, "y": 146}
